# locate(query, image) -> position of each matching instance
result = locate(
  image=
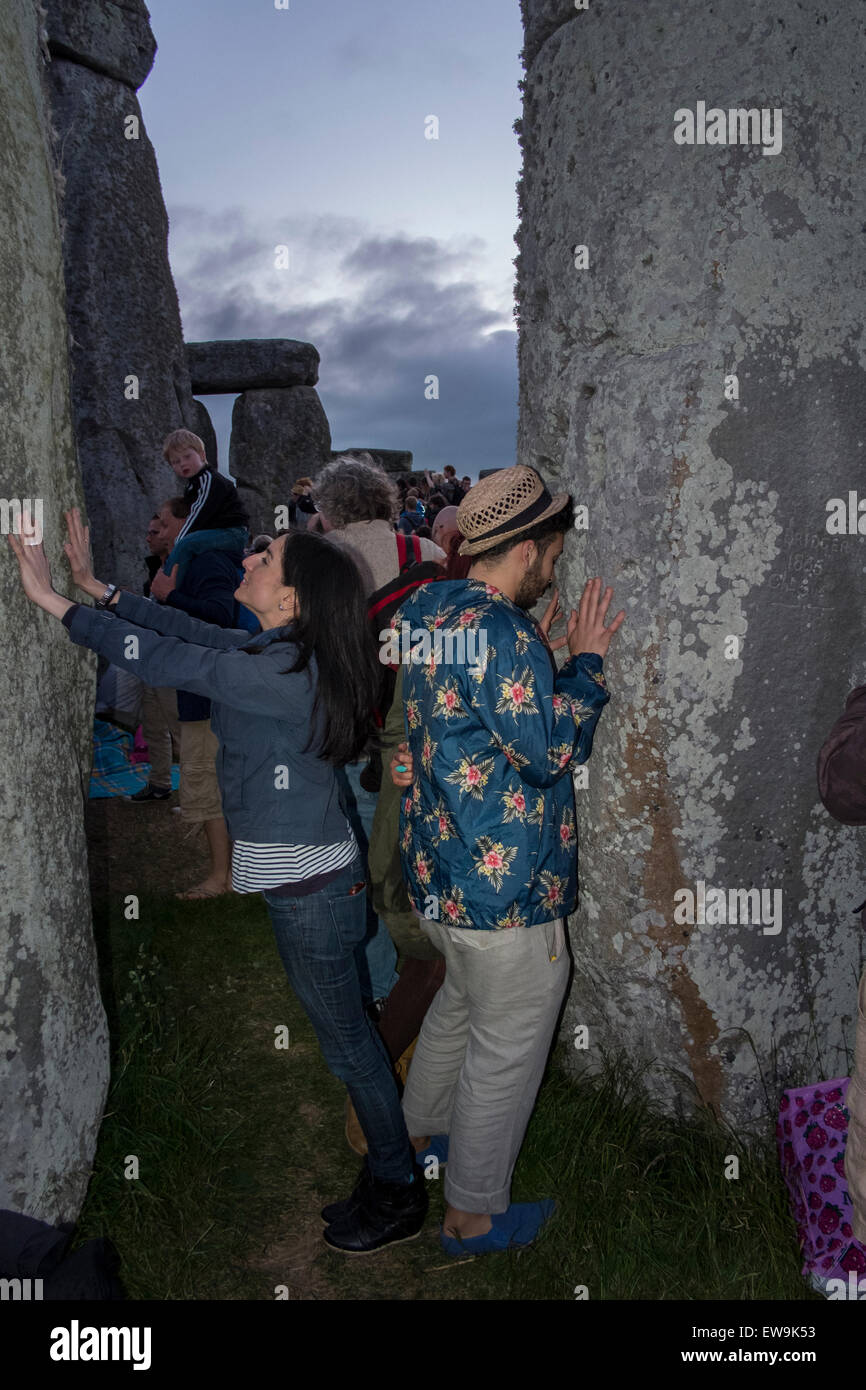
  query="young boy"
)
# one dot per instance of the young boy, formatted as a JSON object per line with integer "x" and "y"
{"x": 413, "y": 514}
{"x": 218, "y": 519}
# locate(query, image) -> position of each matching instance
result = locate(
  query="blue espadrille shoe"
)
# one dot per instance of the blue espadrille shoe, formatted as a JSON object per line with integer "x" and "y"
{"x": 437, "y": 1148}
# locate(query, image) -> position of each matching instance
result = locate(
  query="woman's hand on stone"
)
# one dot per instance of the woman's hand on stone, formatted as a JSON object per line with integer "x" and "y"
{"x": 35, "y": 574}
{"x": 32, "y": 564}
{"x": 77, "y": 549}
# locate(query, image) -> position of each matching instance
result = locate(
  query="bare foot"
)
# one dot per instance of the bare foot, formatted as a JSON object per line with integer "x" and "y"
{"x": 479, "y": 1227}
{"x": 466, "y": 1224}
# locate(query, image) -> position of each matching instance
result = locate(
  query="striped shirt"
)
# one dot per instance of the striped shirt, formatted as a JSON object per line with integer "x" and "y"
{"x": 259, "y": 866}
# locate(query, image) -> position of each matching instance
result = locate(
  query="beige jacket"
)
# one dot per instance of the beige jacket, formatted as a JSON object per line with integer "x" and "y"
{"x": 374, "y": 548}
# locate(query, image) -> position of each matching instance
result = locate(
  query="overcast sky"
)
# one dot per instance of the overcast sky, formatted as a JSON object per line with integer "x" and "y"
{"x": 305, "y": 128}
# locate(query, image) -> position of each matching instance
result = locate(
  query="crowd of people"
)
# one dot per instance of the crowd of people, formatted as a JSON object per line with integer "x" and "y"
{"x": 406, "y": 813}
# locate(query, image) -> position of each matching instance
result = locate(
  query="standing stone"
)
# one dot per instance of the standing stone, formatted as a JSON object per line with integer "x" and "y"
{"x": 250, "y": 364}
{"x": 53, "y": 1037}
{"x": 699, "y": 387}
{"x": 277, "y": 436}
{"x": 397, "y": 461}
{"x": 110, "y": 36}
{"x": 201, "y": 424}
{"x": 130, "y": 380}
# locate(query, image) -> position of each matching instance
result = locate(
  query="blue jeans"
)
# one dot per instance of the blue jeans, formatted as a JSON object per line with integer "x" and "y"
{"x": 317, "y": 937}
{"x": 377, "y": 955}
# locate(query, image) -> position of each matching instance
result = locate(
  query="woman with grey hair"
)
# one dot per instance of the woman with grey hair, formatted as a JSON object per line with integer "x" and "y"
{"x": 354, "y": 488}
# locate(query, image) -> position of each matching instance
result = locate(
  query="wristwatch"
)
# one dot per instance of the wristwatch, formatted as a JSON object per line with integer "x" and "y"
{"x": 107, "y": 596}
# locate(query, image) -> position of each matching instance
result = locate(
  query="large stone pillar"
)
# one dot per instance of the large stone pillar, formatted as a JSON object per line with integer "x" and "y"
{"x": 692, "y": 369}
{"x": 130, "y": 380}
{"x": 277, "y": 436}
{"x": 279, "y": 428}
{"x": 53, "y": 1038}
{"x": 396, "y": 461}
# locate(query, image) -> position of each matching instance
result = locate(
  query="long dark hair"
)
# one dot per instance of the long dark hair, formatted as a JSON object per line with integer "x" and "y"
{"x": 332, "y": 626}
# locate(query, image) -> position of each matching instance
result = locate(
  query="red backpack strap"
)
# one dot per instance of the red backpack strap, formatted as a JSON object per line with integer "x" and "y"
{"x": 404, "y": 560}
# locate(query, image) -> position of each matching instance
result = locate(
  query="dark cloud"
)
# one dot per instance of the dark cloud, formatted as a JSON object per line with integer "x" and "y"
{"x": 409, "y": 308}
{"x": 359, "y": 53}
{"x": 396, "y": 256}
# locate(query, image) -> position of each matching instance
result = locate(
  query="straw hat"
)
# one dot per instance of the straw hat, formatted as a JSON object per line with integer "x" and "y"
{"x": 502, "y": 505}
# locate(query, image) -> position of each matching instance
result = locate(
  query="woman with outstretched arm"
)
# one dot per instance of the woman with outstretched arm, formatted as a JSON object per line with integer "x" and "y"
{"x": 289, "y": 706}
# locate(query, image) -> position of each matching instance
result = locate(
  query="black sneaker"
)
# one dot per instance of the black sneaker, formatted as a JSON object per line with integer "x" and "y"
{"x": 350, "y": 1203}
{"x": 150, "y": 793}
{"x": 387, "y": 1213}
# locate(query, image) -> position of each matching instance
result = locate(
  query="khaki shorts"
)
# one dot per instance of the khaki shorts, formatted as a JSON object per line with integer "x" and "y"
{"x": 199, "y": 789}
{"x": 855, "y": 1151}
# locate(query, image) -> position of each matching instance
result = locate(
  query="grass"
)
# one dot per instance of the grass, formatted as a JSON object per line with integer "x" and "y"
{"x": 239, "y": 1143}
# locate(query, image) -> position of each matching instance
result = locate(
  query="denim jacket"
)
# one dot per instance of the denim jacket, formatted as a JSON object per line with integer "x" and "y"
{"x": 272, "y": 791}
{"x": 488, "y": 837}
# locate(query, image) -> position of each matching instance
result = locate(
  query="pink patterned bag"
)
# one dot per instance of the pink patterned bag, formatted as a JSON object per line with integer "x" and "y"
{"x": 812, "y": 1133}
{"x": 140, "y": 751}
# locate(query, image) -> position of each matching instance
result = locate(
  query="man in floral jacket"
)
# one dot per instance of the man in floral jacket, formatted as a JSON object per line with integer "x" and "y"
{"x": 488, "y": 840}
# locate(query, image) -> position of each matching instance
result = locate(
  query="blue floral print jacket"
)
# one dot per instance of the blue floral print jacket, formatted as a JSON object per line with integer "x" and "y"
{"x": 488, "y": 835}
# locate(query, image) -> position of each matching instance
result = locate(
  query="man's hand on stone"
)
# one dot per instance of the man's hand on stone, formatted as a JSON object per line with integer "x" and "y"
{"x": 586, "y": 629}
{"x": 552, "y": 614}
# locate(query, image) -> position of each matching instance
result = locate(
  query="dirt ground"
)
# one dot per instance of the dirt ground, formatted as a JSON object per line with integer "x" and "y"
{"x": 124, "y": 835}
